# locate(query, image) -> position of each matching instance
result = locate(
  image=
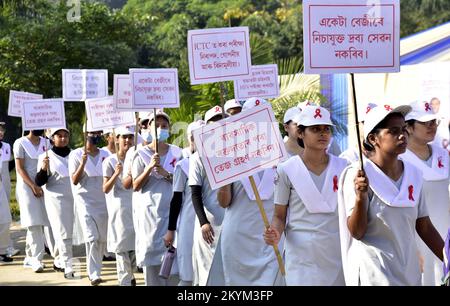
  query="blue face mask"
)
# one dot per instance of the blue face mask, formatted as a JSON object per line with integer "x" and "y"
{"x": 147, "y": 136}
{"x": 163, "y": 134}
{"x": 95, "y": 140}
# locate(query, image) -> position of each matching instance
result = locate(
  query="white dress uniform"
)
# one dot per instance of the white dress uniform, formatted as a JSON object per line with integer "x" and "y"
{"x": 5, "y": 159}
{"x": 387, "y": 253}
{"x": 435, "y": 189}
{"x": 312, "y": 248}
{"x": 202, "y": 252}
{"x": 186, "y": 221}
{"x": 247, "y": 259}
{"x": 5, "y": 215}
{"x": 120, "y": 223}
{"x": 91, "y": 207}
{"x": 33, "y": 215}
{"x": 59, "y": 205}
{"x": 153, "y": 212}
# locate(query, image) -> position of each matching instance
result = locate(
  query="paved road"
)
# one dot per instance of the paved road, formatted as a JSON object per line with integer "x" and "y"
{"x": 14, "y": 274}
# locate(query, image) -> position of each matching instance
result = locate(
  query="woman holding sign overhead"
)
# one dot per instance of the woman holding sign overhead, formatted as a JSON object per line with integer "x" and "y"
{"x": 53, "y": 174}
{"x": 306, "y": 206}
{"x": 247, "y": 260}
{"x": 33, "y": 215}
{"x": 85, "y": 168}
{"x": 152, "y": 170}
{"x": 382, "y": 208}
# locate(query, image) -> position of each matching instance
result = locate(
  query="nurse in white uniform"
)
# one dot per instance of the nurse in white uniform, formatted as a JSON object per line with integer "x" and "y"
{"x": 247, "y": 259}
{"x": 433, "y": 161}
{"x": 86, "y": 173}
{"x": 53, "y": 176}
{"x": 208, "y": 223}
{"x": 182, "y": 214}
{"x": 292, "y": 142}
{"x": 308, "y": 185}
{"x": 120, "y": 212}
{"x": 30, "y": 196}
{"x": 382, "y": 208}
{"x": 5, "y": 221}
{"x": 152, "y": 179}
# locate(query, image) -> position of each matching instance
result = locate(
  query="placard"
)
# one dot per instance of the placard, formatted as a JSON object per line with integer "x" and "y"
{"x": 43, "y": 114}
{"x": 102, "y": 115}
{"x": 15, "y": 101}
{"x": 262, "y": 83}
{"x": 82, "y": 84}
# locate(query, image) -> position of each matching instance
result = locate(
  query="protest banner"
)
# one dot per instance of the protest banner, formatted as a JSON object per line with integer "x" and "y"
{"x": 43, "y": 114}
{"x": 240, "y": 146}
{"x": 262, "y": 83}
{"x": 16, "y": 99}
{"x": 102, "y": 115}
{"x": 154, "y": 88}
{"x": 216, "y": 55}
{"x": 122, "y": 92}
{"x": 348, "y": 36}
{"x": 82, "y": 84}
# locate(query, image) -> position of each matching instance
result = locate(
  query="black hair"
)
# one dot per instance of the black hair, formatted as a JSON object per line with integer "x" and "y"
{"x": 301, "y": 129}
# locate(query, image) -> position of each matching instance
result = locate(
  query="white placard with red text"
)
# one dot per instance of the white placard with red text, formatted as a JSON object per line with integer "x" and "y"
{"x": 240, "y": 146}
{"x": 16, "y": 99}
{"x": 154, "y": 88}
{"x": 345, "y": 36}
{"x": 262, "y": 83}
{"x": 217, "y": 55}
{"x": 102, "y": 115}
{"x": 43, "y": 114}
{"x": 82, "y": 84}
{"x": 122, "y": 92}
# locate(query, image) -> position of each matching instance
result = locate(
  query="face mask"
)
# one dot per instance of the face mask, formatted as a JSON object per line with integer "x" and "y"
{"x": 37, "y": 132}
{"x": 95, "y": 140}
{"x": 163, "y": 134}
{"x": 147, "y": 136}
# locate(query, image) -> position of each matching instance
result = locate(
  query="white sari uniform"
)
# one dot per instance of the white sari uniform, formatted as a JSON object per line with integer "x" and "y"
{"x": 247, "y": 259}
{"x": 58, "y": 196}
{"x": 89, "y": 197}
{"x": 5, "y": 215}
{"x": 120, "y": 211}
{"x": 153, "y": 206}
{"x": 351, "y": 155}
{"x": 387, "y": 253}
{"x": 435, "y": 189}
{"x": 32, "y": 209}
{"x": 186, "y": 221}
{"x": 312, "y": 248}
{"x": 5, "y": 159}
{"x": 203, "y": 253}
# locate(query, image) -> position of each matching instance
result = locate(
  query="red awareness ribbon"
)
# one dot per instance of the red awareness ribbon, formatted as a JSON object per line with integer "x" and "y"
{"x": 257, "y": 102}
{"x": 388, "y": 108}
{"x": 440, "y": 164}
{"x": 368, "y": 109}
{"x": 172, "y": 163}
{"x": 427, "y": 107}
{"x": 335, "y": 183}
{"x": 411, "y": 191}
{"x": 217, "y": 109}
{"x": 318, "y": 113}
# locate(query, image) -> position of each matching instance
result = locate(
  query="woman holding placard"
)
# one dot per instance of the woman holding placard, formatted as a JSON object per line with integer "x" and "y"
{"x": 383, "y": 207}
{"x": 306, "y": 206}
{"x": 33, "y": 215}
{"x": 121, "y": 235}
{"x": 85, "y": 168}
{"x": 433, "y": 160}
{"x": 53, "y": 176}
{"x": 152, "y": 170}
{"x": 247, "y": 260}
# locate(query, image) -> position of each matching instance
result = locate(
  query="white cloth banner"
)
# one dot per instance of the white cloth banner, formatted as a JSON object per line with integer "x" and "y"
{"x": 15, "y": 101}
{"x": 43, "y": 114}
{"x": 342, "y": 36}
{"x": 82, "y": 84}
{"x": 235, "y": 148}
{"x": 262, "y": 83}
{"x": 217, "y": 55}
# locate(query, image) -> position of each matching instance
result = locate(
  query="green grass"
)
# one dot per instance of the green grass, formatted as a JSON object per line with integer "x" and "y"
{"x": 14, "y": 206}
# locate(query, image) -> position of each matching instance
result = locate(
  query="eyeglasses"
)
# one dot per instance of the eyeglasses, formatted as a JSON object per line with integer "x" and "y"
{"x": 430, "y": 123}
